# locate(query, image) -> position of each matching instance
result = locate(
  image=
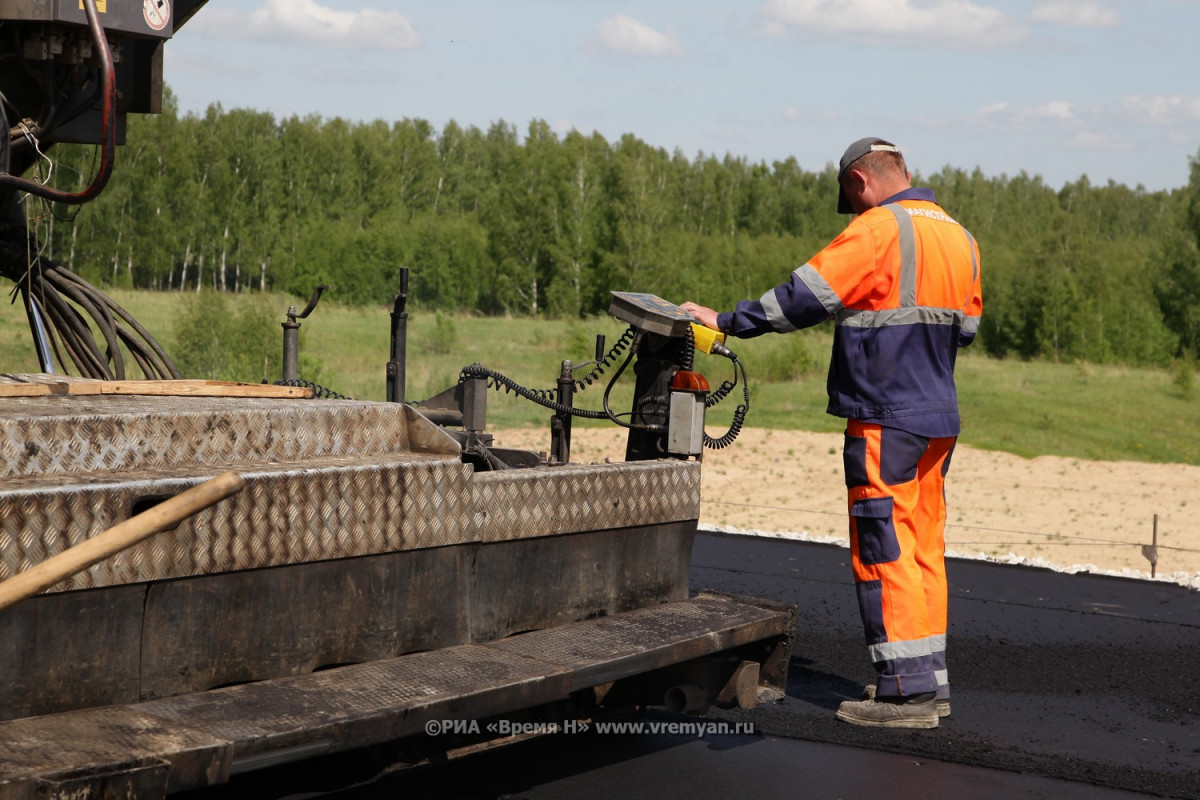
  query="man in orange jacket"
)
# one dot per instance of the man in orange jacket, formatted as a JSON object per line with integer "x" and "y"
{"x": 901, "y": 283}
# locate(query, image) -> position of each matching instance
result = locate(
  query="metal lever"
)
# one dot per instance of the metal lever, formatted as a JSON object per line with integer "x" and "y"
{"x": 291, "y": 334}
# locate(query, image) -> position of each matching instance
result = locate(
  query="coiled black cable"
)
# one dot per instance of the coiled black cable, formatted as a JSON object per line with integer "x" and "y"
{"x": 621, "y": 345}
{"x": 547, "y": 397}
{"x": 739, "y": 413}
{"x": 318, "y": 390}
{"x": 688, "y": 359}
{"x": 720, "y": 393}
{"x": 542, "y": 397}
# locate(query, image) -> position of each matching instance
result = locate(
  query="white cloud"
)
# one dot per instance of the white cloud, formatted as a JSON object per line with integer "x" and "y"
{"x": 1174, "y": 109}
{"x": 195, "y": 64}
{"x": 310, "y": 22}
{"x": 624, "y": 34}
{"x": 790, "y": 112}
{"x": 1104, "y": 141}
{"x": 1055, "y": 110}
{"x": 959, "y": 24}
{"x": 1092, "y": 122}
{"x": 1051, "y": 114}
{"x": 1078, "y": 14}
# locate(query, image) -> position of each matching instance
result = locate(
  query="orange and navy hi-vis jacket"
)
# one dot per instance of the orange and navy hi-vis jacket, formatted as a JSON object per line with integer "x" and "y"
{"x": 902, "y": 284}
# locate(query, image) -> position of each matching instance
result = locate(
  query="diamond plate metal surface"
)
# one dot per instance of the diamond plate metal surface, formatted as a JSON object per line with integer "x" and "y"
{"x": 287, "y": 514}
{"x": 324, "y": 480}
{"x": 107, "y": 433}
{"x": 576, "y": 498}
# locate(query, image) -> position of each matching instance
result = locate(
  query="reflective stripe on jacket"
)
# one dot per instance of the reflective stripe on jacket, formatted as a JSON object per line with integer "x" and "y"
{"x": 902, "y": 283}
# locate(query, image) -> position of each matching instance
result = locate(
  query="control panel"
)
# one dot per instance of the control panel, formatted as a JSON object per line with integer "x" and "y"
{"x": 650, "y": 313}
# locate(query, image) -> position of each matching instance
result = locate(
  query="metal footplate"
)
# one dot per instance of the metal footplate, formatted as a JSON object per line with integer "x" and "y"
{"x": 154, "y": 748}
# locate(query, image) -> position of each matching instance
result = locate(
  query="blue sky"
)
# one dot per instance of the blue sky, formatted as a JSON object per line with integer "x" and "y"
{"x": 1057, "y": 88}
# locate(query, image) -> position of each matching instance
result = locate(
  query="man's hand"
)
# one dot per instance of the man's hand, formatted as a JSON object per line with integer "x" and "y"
{"x": 705, "y": 316}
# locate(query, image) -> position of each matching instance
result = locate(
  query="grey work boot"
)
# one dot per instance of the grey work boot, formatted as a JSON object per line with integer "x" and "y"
{"x": 943, "y": 703}
{"x": 875, "y": 714}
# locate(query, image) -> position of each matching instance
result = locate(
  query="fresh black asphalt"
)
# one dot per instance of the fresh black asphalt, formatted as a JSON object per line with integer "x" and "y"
{"x": 1064, "y": 686}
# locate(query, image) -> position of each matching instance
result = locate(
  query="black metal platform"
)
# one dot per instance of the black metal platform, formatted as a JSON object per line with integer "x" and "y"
{"x": 1065, "y": 687}
{"x": 154, "y": 748}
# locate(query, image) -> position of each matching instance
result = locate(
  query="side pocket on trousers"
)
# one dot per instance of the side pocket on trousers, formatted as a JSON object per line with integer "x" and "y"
{"x": 877, "y": 542}
{"x": 870, "y": 608}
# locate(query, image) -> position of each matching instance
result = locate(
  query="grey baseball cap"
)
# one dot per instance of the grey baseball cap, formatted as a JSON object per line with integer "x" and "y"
{"x": 854, "y": 152}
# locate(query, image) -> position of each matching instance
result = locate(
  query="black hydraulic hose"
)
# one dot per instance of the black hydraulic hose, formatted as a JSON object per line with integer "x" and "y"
{"x": 6, "y": 140}
{"x": 56, "y": 292}
{"x": 107, "y": 128}
{"x": 542, "y": 397}
{"x": 145, "y": 366}
{"x": 70, "y": 329}
{"x": 100, "y": 314}
{"x": 608, "y": 412}
{"x": 147, "y": 343}
{"x": 499, "y": 381}
{"x": 582, "y": 383}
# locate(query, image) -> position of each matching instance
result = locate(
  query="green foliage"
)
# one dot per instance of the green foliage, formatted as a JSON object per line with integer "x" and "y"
{"x": 779, "y": 359}
{"x": 535, "y": 224}
{"x": 581, "y": 345}
{"x": 1183, "y": 374}
{"x": 1178, "y": 285}
{"x": 445, "y": 335}
{"x": 220, "y": 338}
{"x": 1025, "y": 407}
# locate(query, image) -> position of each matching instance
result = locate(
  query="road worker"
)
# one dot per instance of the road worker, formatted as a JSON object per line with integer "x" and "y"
{"x": 901, "y": 283}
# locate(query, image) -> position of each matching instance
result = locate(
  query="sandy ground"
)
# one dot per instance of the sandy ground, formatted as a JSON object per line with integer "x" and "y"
{"x": 1059, "y": 512}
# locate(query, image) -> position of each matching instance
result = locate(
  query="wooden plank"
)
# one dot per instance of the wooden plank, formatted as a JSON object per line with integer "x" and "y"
{"x": 40, "y": 386}
{"x": 201, "y": 388}
{"x": 28, "y": 389}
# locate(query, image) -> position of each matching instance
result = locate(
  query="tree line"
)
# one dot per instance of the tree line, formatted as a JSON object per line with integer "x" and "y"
{"x": 496, "y": 222}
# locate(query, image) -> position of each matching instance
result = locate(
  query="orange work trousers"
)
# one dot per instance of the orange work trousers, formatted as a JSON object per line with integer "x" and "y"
{"x": 895, "y": 482}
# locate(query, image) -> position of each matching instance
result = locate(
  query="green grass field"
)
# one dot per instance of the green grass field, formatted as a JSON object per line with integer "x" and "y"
{"x": 1026, "y": 408}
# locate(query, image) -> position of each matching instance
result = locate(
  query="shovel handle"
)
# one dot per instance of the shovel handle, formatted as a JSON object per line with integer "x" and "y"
{"x": 117, "y": 538}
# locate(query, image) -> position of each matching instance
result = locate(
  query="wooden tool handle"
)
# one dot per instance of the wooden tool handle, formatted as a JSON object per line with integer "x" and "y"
{"x": 117, "y": 538}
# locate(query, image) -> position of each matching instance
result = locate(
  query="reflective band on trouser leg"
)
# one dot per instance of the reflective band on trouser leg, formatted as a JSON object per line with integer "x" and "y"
{"x": 938, "y": 645}
{"x": 897, "y": 552}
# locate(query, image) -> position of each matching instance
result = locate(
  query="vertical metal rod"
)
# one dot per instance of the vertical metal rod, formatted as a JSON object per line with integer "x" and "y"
{"x": 397, "y": 364}
{"x": 291, "y": 346}
{"x": 560, "y": 423}
{"x": 291, "y": 334}
{"x": 41, "y": 341}
{"x": 1150, "y": 551}
{"x": 1154, "y": 544}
